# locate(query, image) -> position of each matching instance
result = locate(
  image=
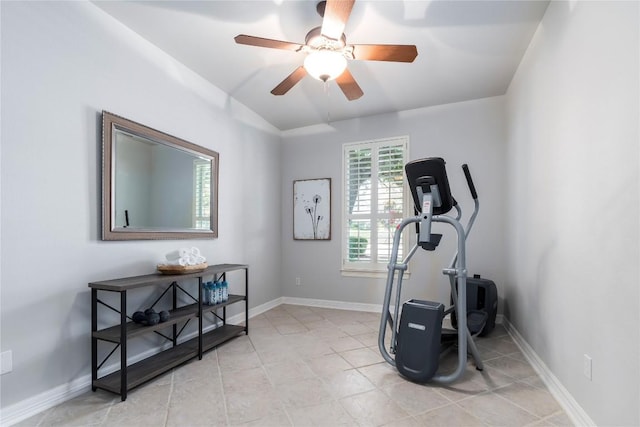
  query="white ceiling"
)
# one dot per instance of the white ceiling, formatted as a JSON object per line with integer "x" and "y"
{"x": 466, "y": 50}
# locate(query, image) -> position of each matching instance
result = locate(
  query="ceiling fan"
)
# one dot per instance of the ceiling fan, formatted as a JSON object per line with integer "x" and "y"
{"x": 327, "y": 50}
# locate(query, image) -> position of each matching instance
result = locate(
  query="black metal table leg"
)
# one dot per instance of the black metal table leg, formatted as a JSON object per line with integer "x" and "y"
{"x": 94, "y": 340}
{"x": 200, "y": 318}
{"x": 123, "y": 345}
{"x": 175, "y": 305}
{"x": 246, "y": 299}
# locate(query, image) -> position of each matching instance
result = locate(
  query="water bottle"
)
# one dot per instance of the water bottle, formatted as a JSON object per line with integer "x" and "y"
{"x": 219, "y": 292}
{"x": 225, "y": 291}
{"x": 205, "y": 293}
{"x": 214, "y": 293}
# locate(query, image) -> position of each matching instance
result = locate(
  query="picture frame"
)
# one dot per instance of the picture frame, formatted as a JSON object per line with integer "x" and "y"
{"x": 312, "y": 209}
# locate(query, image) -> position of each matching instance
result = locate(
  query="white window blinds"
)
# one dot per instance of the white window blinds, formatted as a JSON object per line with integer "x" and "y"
{"x": 202, "y": 194}
{"x": 373, "y": 200}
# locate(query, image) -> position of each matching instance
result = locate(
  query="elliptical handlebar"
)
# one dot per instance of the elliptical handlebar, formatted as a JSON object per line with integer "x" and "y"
{"x": 472, "y": 187}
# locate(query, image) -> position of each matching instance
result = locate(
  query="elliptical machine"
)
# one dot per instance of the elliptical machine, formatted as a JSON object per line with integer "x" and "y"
{"x": 418, "y": 339}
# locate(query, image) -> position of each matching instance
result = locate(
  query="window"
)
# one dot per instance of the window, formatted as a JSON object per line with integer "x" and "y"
{"x": 202, "y": 194}
{"x": 374, "y": 202}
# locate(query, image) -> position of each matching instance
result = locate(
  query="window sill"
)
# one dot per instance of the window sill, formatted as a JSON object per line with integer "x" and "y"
{"x": 370, "y": 274}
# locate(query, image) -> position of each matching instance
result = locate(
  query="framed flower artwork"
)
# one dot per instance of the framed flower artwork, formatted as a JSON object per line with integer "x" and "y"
{"x": 312, "y": 209}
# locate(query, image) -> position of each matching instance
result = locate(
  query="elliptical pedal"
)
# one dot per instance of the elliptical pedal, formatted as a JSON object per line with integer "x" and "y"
{"x": 476, "y": 321}
{"x": 482, "y": 297}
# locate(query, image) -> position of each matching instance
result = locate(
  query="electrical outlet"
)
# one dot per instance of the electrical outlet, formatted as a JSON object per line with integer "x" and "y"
{"x": 6, "y": 362}
{"x": 298, "y": 281}
{"x": 586, "y": 367}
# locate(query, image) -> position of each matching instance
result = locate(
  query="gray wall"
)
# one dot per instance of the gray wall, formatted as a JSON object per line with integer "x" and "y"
{"x": 62, "y": 63}
{"x": 469, "y": 132}
{"x": 573, "y": 244}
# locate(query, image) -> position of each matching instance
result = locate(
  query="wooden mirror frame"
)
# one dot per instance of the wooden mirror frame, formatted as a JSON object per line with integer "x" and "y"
{"x": 111, "y": 123}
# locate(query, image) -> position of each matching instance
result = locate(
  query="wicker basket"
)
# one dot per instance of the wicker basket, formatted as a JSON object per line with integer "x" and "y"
{"x": 180, "y": 269}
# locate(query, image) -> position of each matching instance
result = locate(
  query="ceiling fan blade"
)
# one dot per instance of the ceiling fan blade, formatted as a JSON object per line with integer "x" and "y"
{"x": 290, "y": 81}
{"x": 336, "y": 14}
{"x": 262, "y": 42}
{"x": 349, "y": 86}
{"x": 385, "y": 52}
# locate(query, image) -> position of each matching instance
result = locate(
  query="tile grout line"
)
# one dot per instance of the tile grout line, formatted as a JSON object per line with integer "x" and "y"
{"x": 166, "y": 415}
{"x": 263, "y": 367}
{"x": 548, "y": 417}
{"x": 106, "y": 416}
{"x": 324, "y": 383}
{"x": 538, "y": 417}
{"x": 224, "y": 395}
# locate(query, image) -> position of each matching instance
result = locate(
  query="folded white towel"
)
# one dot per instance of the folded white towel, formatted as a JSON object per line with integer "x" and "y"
{"x": 179, "y": 253}
{"x": 184, "y": 257}
{"x": 195, "y": 260}
{"x": 179, "y": 261}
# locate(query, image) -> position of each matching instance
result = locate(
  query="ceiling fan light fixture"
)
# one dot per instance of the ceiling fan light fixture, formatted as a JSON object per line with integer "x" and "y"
{"x": 325, "y": 64}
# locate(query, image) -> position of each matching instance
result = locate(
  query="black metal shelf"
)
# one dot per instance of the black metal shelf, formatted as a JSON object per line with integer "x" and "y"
{"x": 232, "y": 300}
{"x": 131, "y": 376}
{"x": 128, "y": 283}
{"x": 178, "y": 315}
{"x": 149, "y": 368}
{"x": 112, "y": 334}
{"x": 220, "y": 335}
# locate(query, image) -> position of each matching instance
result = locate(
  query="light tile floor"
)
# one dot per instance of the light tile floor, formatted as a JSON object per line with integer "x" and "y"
{"x": 307, "y": 366}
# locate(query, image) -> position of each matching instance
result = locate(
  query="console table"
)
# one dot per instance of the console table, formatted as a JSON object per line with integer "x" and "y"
{"x": 131, "y": 376}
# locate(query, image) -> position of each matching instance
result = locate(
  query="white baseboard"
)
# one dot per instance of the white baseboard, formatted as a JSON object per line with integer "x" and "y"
{"x": 34, "y": 405}
{"x": 575, "y": 412}
{"x": 340, "y": 305}
{"x": 265, "y": 307}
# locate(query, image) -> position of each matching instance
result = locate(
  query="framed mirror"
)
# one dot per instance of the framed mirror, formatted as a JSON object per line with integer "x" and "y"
{"x": 154, "y": 185}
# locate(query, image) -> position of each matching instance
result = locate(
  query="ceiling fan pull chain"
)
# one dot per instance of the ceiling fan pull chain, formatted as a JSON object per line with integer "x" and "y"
{"x": 326, "y": 91}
